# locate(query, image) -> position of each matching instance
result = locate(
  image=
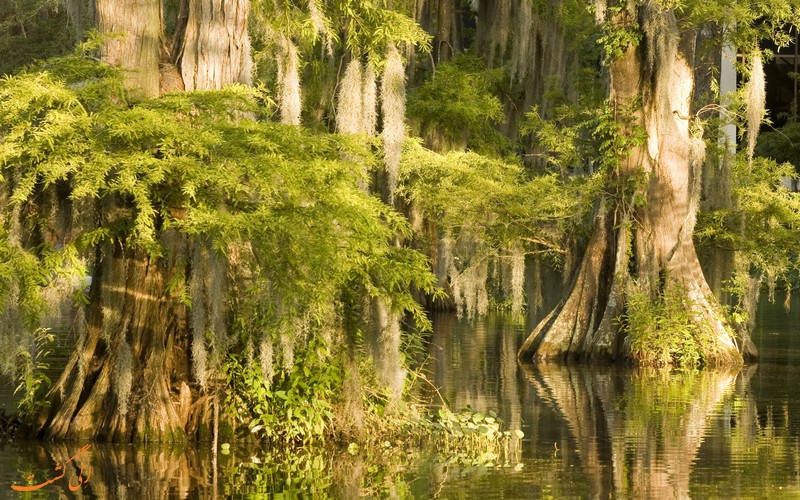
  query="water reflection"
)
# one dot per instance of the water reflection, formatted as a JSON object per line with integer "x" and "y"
{"x": 589, "y": 433}
{"x": 611, "y": 432}
{"x": 105, "y": 471}
{"x": 637, "y": 432}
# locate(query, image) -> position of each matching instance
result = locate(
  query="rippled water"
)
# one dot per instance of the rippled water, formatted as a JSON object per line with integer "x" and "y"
{"x": 589, "y": 432}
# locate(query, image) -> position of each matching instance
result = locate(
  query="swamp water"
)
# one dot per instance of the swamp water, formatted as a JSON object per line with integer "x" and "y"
{"x": 589, "y": 432}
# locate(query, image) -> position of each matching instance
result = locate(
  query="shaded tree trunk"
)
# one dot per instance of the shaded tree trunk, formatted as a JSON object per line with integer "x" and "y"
{"x": 444, "y": 30}
{"x": 651, "y": 87}
{"x": 131, "y": 359}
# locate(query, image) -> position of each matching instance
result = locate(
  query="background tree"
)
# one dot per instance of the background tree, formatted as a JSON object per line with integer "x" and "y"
{"x": 656, "y": 153}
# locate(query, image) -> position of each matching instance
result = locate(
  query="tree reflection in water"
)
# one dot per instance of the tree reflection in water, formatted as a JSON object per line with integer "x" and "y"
{"x": 590, "y": 432}
{"x": 637, "y": 432}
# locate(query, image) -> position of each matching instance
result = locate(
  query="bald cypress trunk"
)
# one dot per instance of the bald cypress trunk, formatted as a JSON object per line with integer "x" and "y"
{"x": 131, "y": 361}
{"x": 645, "y": 249}
{"x": 214, "y": 49}
{"x": 128, "y": 379}
{"x": 136, "y": 49}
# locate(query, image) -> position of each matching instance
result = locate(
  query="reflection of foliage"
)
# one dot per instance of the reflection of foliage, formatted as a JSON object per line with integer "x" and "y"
{"x": 660, "y": 399}
{"x": 465, "y": 441}
{"x": 473, "y": 438}
{"x": 276, "y": 472}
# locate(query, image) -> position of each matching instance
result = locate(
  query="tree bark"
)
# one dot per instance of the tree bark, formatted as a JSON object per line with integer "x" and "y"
{"x": 215, "y": 48}
{"x": 665, "y": 170}
{"x": 130, "y": 311}
{"x": 444, "y": 31}
{"x": 135, "y": 30}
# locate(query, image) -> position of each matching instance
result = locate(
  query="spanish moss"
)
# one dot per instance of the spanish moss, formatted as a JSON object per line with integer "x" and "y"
{"x": 349, "y": 119}
{"x": 289, "y": 83}
{"x": 755, "y": 102}
{"x": 369, "y": 116}
{"x": 393, "y": 97}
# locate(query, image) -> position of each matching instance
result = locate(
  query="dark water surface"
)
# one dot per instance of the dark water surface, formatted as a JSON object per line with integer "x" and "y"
{"x": 589, "y": 433}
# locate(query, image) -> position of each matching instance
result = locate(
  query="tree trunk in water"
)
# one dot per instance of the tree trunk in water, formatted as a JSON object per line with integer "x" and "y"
{"x": 130, "y": 360}
{"x": 136, "y": 51}
{"x": 665, "y": 171}
{"x": 128, "y": 378}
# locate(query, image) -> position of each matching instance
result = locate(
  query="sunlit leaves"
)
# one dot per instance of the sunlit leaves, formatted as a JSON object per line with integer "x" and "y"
{"x": 763, "y": 224}
{"x": 280, "y": 202}
{"x": 460, "y": 103}
{"x": 490, "y": 198}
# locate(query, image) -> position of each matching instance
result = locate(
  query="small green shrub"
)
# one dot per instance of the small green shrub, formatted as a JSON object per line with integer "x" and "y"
{"x": 32, "y": 381}
{"x": 291, "y": 408}
{"x": 664, "y": 331}
{"x": 460, "y": 104}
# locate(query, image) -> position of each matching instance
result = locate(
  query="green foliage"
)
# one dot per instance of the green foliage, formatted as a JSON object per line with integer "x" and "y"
{"x": 748, "y": 22}
{"x": 762, "y": 223}
{"x": 664, "y": 332}
{"x": 620, "y": 31}
{"x": 371, "y": 28}
{"x": 32, "y": 29}
{"x": 460, "y": 103}
{"x": 490, "y": 198}
{"x": 586, "y": 136}
{"x": 781, "y": 145}
{"x": 24, "y": 345}
{"x": 279, "y": 203}
{"x": 488, "y": 215}
{"x": 292, "y": 408}
{"x": 473, "y": 438}
{"x": 325, "y": 31}
{"x": 33, "y": 382}
{"x": 566, "y": 141}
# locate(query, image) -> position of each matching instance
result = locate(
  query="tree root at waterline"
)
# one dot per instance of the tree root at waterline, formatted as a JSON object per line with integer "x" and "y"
{"x": 590, "y": 324}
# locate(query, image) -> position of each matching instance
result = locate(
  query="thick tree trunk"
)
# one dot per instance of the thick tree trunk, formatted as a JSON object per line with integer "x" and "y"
{"x": 136, "y": 25}
{"x": 659, "y": 233}
{"x": 128, "y": 378}
{"x": 130, "y": 361}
